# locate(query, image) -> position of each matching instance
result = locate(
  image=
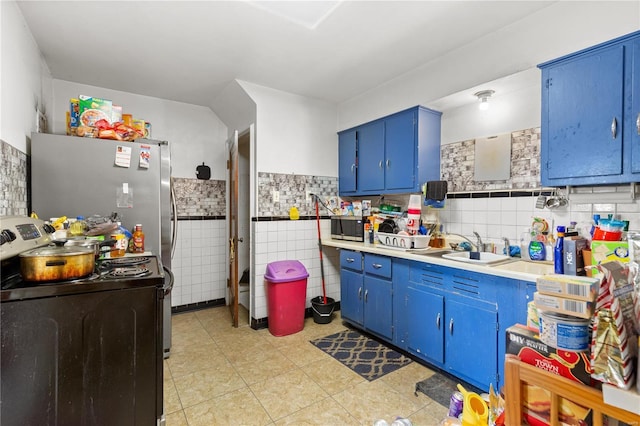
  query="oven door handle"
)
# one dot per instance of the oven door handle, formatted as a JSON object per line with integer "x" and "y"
{"x": 168, "y": 287}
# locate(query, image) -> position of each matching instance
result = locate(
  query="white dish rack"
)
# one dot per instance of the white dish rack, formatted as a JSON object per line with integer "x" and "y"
{"x": 404, "y": 241}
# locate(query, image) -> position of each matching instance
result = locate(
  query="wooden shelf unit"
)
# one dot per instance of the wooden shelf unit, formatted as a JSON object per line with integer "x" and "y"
{"x": 517, "y": 373}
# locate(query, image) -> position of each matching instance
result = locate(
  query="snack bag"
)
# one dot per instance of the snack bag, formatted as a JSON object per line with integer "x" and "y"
{"x": 614, "y": 329}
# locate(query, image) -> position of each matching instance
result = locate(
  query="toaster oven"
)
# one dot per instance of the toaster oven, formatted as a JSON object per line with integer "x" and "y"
{"x": 349, "y": 228}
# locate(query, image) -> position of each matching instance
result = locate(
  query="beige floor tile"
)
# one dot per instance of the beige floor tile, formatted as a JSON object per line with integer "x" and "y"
{"x": 171, "y": 398}
{"x": 234, "y": 408}
{"x": 404, "y": 380}
{"x": 176, "y": 419}
{"x": 303, "y": 353}
{"x": 270, "y": 364}
{"x": 369, "y": 401}
{"x": 166, "y": 370}
{"x": 195, "y": 357}
{"x": 184, "y": 322}
{"x": 181, "y": 340}
{"x": 243, "y": 351}
{"x": 331, "y": 375}
{"x": 285, "y": 394}
{"x": 431, "y": 415}
{"x": 325, "y": 412}
{"x": 203, "y": 385}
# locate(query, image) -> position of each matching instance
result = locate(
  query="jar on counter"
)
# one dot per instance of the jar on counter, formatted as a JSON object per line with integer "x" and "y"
{"x": 138, "y": 239}
{"x": 119, "y": 248}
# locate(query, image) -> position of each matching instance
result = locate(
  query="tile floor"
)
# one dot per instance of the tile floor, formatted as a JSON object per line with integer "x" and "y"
{"x": 220, "y": 375}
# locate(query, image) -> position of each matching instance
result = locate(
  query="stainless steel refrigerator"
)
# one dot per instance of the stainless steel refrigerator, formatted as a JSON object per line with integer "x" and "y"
{"x": 74, "y": 176}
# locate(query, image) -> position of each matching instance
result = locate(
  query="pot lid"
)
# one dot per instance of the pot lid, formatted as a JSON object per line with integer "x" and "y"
{"x": 57, "y": 251}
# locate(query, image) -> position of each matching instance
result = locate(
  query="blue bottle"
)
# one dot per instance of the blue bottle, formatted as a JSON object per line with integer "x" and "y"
{"x": 558, "y": 251}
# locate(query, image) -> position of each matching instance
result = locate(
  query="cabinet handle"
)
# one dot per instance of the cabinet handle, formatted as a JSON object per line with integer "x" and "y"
{"x": 353, "y": 168}
{"x": 377, "y": 265}
{"x": 350, "y": 260}
{"x": 380, "y": 164}
{"x": 388, "y": 163}
{"x": 614, "y": 128}
{"x": 359, "y": 293}
{"x": 451, "y": 326}
{"x": 366, "y": 294}
{"x": 638, "y": 123}
{"x": 438, "y": 321}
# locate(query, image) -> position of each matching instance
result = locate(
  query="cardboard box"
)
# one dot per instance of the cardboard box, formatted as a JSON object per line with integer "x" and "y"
{"x": 536, "y": 402}
{"x": 572, "y": 256}
{"x": 94, "y": 109}
{"x": 607, "y": 251}
{"x": 526, "y": 344}
{"x": 563, "y": 305}
{"x": 571, "y": 287}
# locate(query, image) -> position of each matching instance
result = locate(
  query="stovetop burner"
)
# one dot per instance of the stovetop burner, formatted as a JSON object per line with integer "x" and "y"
{"x": 124, "y": 261}
{"x": 129, "y": 272}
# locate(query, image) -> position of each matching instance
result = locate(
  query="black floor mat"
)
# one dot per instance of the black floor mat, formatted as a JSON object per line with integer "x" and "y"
{"x": 440, "y": 387}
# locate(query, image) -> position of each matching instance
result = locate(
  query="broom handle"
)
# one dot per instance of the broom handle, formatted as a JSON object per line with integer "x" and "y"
{"x": 324, "y": 291}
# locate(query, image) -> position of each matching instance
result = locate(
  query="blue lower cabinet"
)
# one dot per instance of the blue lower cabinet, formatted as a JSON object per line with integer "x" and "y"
{"x": 471, "y": 342}
{"x": 426, "y": 325}
{"x": 366, "y": 292}
{"x": 351, "y": 293}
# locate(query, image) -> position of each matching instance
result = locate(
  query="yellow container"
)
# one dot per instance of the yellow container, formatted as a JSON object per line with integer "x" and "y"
{"x": 475, "y": 411}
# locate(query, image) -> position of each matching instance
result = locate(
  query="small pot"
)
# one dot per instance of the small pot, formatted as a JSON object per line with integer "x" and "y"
{"x": 56, "y": 263}
{"x": 95, "y": 245}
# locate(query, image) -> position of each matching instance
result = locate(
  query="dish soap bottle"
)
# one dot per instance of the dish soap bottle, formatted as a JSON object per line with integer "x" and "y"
{"x": 558, "y": 258}
{"x": 537, "y": 250}
{"x": 138, "y": 239}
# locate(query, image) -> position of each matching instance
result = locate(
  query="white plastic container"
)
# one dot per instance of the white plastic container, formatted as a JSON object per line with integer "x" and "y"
{"x": 564, "y": 332}
{"x": 413, "y": 214}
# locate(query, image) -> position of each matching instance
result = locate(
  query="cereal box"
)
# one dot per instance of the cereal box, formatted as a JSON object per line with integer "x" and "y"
{"x": 94, "y": 109}
{"x": 116, "y": 114}
{"x": 562, "y": 305}
{"x": 74, "y": 115}
{"x": 572, "y": 287}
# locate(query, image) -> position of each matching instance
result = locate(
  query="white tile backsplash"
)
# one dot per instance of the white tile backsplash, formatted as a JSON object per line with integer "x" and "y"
{"x": 199, "y": 262}
{"x": 293, "y": 240}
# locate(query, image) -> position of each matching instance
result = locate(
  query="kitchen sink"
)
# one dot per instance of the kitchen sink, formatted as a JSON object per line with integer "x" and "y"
{"x": 485, "y": 258}
{"x": 528, "y": 267}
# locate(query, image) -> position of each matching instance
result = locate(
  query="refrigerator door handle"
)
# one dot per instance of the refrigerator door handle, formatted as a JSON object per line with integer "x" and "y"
{"x": 174, "y": 217}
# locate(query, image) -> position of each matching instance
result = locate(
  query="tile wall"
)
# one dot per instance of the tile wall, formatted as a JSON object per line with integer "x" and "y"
{"x": 13, "y": 181}
{"x": 498, "y": 209}
{"x": 198, "y": 263}
{"x": 275, "y": 237}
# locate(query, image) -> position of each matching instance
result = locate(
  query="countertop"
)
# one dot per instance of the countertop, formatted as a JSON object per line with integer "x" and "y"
{"x": 515, "y": 269}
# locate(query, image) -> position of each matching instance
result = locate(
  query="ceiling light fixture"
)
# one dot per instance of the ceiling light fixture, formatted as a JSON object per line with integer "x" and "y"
{"x": 483, "y": 96}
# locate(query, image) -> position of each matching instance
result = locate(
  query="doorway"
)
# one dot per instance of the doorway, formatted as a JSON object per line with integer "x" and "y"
{"x": 244, "y": 224}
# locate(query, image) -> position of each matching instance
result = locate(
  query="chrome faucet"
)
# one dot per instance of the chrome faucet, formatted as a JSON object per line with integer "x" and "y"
{"x": 507, "y": 246}
{"x": 479, "y": 244}
{"x": 467, "y": 239}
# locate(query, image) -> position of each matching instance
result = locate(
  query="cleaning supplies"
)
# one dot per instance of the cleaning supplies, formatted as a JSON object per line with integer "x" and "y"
{"x": 558, "y": 260}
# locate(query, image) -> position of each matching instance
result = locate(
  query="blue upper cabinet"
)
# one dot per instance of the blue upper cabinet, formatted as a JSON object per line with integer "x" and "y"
{"x": 347, "y": 164}
{"x": 371, "y": 157}
{"x": 590, "y": 115}
{"x": 394, "y": 154}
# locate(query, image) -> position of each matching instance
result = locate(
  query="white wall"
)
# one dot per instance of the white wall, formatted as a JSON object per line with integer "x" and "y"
{"x": 24, "y": 76}
{"x": 194, "y": 132}
{"x": 294, "y": 134}
{"x": 559, "y": 29}
{"x": 235, "y": 108}
{"x": 516, "y": 110}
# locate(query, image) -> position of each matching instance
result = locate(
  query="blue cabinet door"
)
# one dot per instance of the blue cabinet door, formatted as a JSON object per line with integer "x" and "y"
{"x": 371, "y": 157}
{"x": 634, "y": 127}
{"x": 585, "y": 99}
{"x": 400, "y": 151}
{"x": 425, "y": 327}
{"x": 471, "y": 336}
{"x": 401, "y": 268}
{"x": 347, "y": 166}
{"x": 378, "y": 306}
{"x": 351, "y": 296}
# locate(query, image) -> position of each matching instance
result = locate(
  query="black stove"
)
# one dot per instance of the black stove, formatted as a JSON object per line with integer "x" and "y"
{"x": 92, "y": 347}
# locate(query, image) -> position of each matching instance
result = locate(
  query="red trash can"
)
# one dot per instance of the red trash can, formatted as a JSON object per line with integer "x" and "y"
{"x": 286, "y": 296}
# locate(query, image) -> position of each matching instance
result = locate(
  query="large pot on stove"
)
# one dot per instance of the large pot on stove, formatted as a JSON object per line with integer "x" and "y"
{"x": 95, "y": 245}
{"x": 56, "y": 263}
